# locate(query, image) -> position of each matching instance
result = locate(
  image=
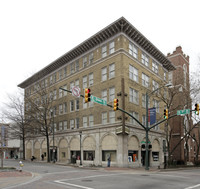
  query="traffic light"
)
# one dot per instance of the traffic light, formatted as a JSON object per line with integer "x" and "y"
{"x": 116, "y": 104}
{"x": 87, "y": 95}
{"x": 197, "y": 109}
{"x": 165, "y": 113}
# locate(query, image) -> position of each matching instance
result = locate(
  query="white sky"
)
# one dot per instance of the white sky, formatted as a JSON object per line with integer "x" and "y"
{"x": 33, "y": 33}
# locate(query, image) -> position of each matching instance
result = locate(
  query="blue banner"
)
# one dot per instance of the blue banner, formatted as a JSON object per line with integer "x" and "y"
{"x": 152, "y": 115}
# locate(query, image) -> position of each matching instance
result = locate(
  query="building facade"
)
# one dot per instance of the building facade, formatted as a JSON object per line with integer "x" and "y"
{"x": 117, "y": 62}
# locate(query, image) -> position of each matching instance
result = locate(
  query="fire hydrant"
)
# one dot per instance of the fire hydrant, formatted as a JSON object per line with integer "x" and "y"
{"x": 20, "y": 166}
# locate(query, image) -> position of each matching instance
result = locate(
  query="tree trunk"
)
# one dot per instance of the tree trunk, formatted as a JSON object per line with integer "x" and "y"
{"x": 48, "y": 154}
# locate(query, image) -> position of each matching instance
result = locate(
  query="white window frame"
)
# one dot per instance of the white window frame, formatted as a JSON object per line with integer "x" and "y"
{"x": 71, "y": 105}
{"x": 145, "y": 80}
{"x": 85, "y": 121}
{"x": 133, "y": 73}
{"x": 104, "y": 94}
{"x": 111, "y": 117}
{"x": 77, "y": 123}
{"x": 65, "y": 92}
{"x": 77, "y": 83}
{"x": 60, "y": 126}
{"x": 104, "y": 51}
{"x": 71, "y": 123}
{"x": 60, "y": 109}
{"x": 154, "y": 66}
{"x": 84, "y": 61}
{"x": 133, "y": 96}
{"x": 145, "y": 59}
{"x": 133, "y": 50}
{"x": 111, "y": 47}
{"x": 91, "y": 58}
{"x": 91, "y": 120}
{"x": 65, "y": 107}
{"x": 84, "y": 81}
{"x": 104, "y": 118}
{"x": 112, "y": 70}
{"x": 104, "y": 74}
{"x": 72, "y": 68}
{"x": 91, "y": 79}
{"x": 77, "y": 104}
{"x": 77, "y": 65}
{"x": 65, "y": 125}
{"x": 111, "y": 94}
{"x": 84, "y": 104}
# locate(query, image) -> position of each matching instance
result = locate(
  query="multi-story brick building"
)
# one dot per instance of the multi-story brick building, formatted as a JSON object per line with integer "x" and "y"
{"x": 180, "y": 125}
{"x": 117, "y": 62}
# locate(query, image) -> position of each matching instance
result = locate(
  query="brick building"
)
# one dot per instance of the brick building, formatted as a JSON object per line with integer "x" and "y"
{"x": 117, "y": 62}
{"x": 181, "y": 124}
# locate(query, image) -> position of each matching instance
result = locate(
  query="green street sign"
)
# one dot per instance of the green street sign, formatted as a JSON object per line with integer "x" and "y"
{"x": 98, "y": 100}
{"x": 183, "y": 112}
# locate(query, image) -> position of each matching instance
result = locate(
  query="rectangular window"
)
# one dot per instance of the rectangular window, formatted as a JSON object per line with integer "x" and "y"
{"x": 91, "y": 58}
{"x": 65, "y": 92}
{"x": 88, "y": 155}
{"x": 84, "y": 82}
{"x": 55, "y": 78}
{"x": 60, "y": 93}
{"x": 71, "y": 124}
{"x": 46, "y": 82}
{"x": 111, "y": 117}
{"x": 71, "y": 106}
{"x": 133, "y": 73}
{"x": 156, "y": 105}
{"x": 145, "y": 80}
{"x": 71, "y": 85}
{"x": 51, "y": 80}
{"x": 55, "y": 127}
{"x": 155, "y": 67}
{"x": 65, "y": 72}
{"x": 60, "y": 126}
{"x": 77, "y": 66}
{"x": 144, "y": 120}
{"x": 65, "y": 125}
{"x": 71, "y": 68}
{"x": 77, "y": 104}
{"x": 111, "y": 94}
{"x": 133, "y": 96}
{"x": 65, "y": 107}
{"x": 143, "y": 100}
{"x": 104, "y": 51}
{"x": 84, "y": 61}
{"x": 84, "y": 121}
{"x": 77, "y": 123}
{"x": 104, "y": 94}
{"x": 91, "y": 79}
{"x": 91, "y": 120}
{"x": 60, "y": 74}
{"x": 54, "y": 94}
{"x": 84, "y": 104}
{"x": 145, "y": 59}
{"x": 136, "y": 115}
{"x": 133, "y": 50}
{"x": 155, "y": 85}
{"x": 104, "y": 117}
{"x": 112, "y": 47}
{"x": 77, "y": 83}
{"x": 111, "y": 71}
{"x": 104, "y": 74}
{"x": 60, "y": 109}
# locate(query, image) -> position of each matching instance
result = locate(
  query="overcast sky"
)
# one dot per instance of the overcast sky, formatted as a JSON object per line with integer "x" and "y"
{"x": 34, "y": 33}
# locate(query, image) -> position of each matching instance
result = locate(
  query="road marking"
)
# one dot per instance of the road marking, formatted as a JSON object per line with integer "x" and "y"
{"x": 193, "y": 186}
{"x": 75, "y": 185}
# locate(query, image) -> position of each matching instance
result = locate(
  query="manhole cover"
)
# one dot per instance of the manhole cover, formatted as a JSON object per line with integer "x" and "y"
{"x": 87, "y": 180}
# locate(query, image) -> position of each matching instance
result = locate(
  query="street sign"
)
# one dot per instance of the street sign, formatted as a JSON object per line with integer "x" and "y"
{"x": 76, "y": 91}
{"x": 183, "y": 112}
{"x": 98, "y": 100}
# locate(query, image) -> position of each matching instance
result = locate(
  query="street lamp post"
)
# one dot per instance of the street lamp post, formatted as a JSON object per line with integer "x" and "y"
{"x": 147, "y": 125}
{"x": 80, "y": 148}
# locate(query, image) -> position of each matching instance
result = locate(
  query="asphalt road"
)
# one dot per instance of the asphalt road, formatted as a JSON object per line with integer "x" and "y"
{"x": 50, "y": 176}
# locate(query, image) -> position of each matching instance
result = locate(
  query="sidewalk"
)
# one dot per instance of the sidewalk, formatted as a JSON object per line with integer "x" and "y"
{"x": 14, "y": 177}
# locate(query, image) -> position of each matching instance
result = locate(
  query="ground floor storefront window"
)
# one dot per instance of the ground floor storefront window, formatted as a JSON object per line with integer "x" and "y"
{"x": 75, "y": 155}
{"x": 155, "y": 156}
{"x": 109, "y": 153}
{"x": 132, "y": 156}
{"x": 88, "y": 155}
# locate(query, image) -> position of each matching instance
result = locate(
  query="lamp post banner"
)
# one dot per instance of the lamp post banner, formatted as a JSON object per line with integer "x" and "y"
{"x": 152, "y": 115}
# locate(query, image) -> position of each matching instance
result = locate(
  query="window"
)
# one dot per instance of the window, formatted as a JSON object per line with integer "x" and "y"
{"x": 111, "y": 94}
{"x": 60, "y": 126}
{"x": 46, "y": 82}
{"x": 60, "y": 109}
{"x": 65, "y": 125}
{"x": 84, "y": 82}
{"x": 84, "y": 104}
{"x": 51, "y": 80}
{"x": 71, "y": 85}
{"x": 55, "y": 127}
{"x": 111, "y": 116}
{"x": 136, "y": 115}
{"x": 77, "y": 83}
{"x": 71, "y": 68}
{"x": 133, "y": 96}
{"x": 155, "y": 67}
{"x": 112, "y": 47}
{"x": 71, "y": 124}
{"x": 54, "y": 94}
{"x": 60, "y": 93}
{"x": 77, "y": 104}
{"x": 71, "y": 106}
{"x": 133, "y": 73}
{"x": 133, "y": 50}
{"x": 170, "y": 77}
{"x": 65, "y": 92}
{"x": 104, "y": 74}
{"x": 65, "y": 72}
{"x": 84, "y": 121}
{"x": 143, "y": 100}
{"x": 155, "y": 85}
{"x": 104, "y": 117}
{"x": 84, "y": 61}
{"x": 60, "y": 74}
{"x": 156, "y": 105}
{"x": 144, "y": 120}
{"x": 77, "y": 66}
{"x": 145, "y": 59}
{"x": 104, "y": 94}
{"x": 77, "y": 123}
{"x": 111, "y": 71}
{"x": 65, "y": 107}
{"x": 91, "y": 120}
{"x": 88, "y": 155}
{"x": 104, "y": 51}
{"x": 145, "y": 80}
{"x": 91, "y": 80}
{"x": 91, "y": 58}
{"x": 55, "y": 78}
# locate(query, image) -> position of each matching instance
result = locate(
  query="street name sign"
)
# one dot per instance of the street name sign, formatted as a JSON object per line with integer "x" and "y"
{"x": 98, "y": 100}
{"x": 183, "y": 112}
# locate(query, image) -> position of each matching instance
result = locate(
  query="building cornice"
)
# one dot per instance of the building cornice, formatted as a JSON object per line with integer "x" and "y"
{"x": 119, "y": 26}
